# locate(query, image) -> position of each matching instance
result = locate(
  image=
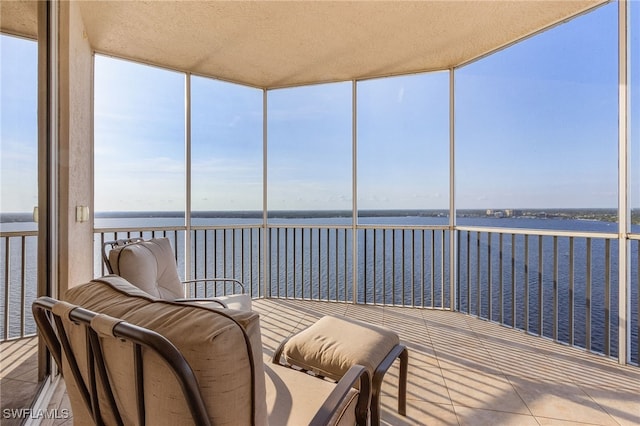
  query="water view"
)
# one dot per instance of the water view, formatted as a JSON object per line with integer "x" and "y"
{"x": 534, "y": 276}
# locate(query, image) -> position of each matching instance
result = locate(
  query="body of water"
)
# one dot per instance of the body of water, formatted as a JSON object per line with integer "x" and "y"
{"x": 544, "y": 286}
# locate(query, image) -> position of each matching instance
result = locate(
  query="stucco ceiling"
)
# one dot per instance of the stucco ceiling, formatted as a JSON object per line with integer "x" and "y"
{"x": 285, "y": 43}
{"x": 19, "y": 17}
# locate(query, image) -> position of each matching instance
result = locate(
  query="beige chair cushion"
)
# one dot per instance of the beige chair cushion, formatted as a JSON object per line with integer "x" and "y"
{"x": 332, "y": 345}
{"x": 293, "y": 398}
{"x": 227, "y": 362}
{"x": 241, "y": 302}
{"x": 150, "y": 266}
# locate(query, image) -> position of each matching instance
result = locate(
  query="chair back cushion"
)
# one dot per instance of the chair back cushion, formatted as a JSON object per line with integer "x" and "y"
{"x": 223, "y": 347}
{"x": 149, "y": 265}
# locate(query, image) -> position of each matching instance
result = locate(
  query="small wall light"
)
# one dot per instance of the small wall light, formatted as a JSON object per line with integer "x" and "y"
{"x": 35, "y": 214}
{"x": 82, "y": 213}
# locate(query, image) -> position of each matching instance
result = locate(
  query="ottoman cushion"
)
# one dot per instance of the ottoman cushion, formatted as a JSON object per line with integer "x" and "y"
{"x": 332, "y": 345}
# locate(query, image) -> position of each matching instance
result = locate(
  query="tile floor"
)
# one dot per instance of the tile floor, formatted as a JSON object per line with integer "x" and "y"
{"x": 18, "y": 378}
{"x": 466, "y": 371}
{"x": 462, "y": 370}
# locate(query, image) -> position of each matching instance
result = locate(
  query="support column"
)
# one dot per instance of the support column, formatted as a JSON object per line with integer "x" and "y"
{"x": 354, "y": 190}
{"x": 265, "y": 205}
{"x": 453, "y": 232}
{"x": 624, "y": 223}
{"x": 47, "y": 160}
{"x": 187, "y": 178}
{"x": 74, "y": 165}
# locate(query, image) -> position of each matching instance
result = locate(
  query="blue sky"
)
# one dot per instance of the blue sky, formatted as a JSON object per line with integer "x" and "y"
{"x": 18, "y": 131}
{"x": 538, "y": 121}
{"x": 536, "y": 127}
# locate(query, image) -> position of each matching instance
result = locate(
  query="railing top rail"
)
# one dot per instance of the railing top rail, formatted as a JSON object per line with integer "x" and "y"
{"x": 540, "y": 232}
{"x": 309, "y": 226}
{"x": 226, "y": 226}
{"x": 496, "y": 230}
{"x": 10, "y": 234}
{"x": 349, "y": 226}
{"x": 140, "y": 229}
{"x": 407, "y": 227}
{"x": 174, "y": 228}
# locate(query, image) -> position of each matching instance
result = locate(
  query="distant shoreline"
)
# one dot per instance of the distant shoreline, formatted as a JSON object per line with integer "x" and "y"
{"x": 598, "y": 214}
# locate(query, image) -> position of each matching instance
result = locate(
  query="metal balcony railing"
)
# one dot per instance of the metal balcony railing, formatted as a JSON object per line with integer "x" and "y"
{"x": 404, "y": 266}
{"x": 555, "y": 284}
{"x": 559, "y": 285}
{"x": 18, "y": 270}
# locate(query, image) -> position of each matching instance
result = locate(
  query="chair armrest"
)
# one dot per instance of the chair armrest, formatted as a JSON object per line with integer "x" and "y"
{"x": 326, "y": 412}
{"x": 278, "y": 352}
{"x": 334, "y": 400}
{"x": 202, "y": 299}
{"x": 216, "y": 281}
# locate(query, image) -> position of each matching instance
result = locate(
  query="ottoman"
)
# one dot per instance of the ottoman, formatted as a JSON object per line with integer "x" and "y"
{"x": 332, "y": 345}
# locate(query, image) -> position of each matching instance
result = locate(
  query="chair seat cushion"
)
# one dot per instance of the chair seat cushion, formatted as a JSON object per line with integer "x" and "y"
{"x": 294, "y": 397}
{"x": 332, "y": 345}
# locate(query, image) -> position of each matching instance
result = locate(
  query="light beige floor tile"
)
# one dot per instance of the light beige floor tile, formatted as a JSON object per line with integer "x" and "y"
{"x": 411, "y": 331}
{"x": 423, "y": 384}
{"x": 421, "y": 355}
{"x": 451, "y": 339}
{"x": 560, "y": 400}
{"x": 543, "y": 421}
{"x": 15, "y": 395}
{"x": 305, "y": 322}
{"x": 285, "y": 316}
{"x": 448, "y": 337}
{"x": 476, "y": 389}
{"x": 369, "y": 313}
{"x": 262, "y": 306}
{"x": 446, "y": 320}
{"x": 14, "y": 354}
{"x": 622, "y": 404}
{"x": 19, "y": 378}
{"x": 271, "y": 339}
{"x": 403, "y": 315}
{"x": 593, "y": 370}
{"x": 27, "y": 371}
{"x": 528, "y": 363}
{"x": 315, "y": 309}
{"x": 480, "y": 417}
{"x": 462, "y": 357}
{"x": 20, "y": 365}
{"x": 419, "y": 413}
{"x": 424, "y": 378}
